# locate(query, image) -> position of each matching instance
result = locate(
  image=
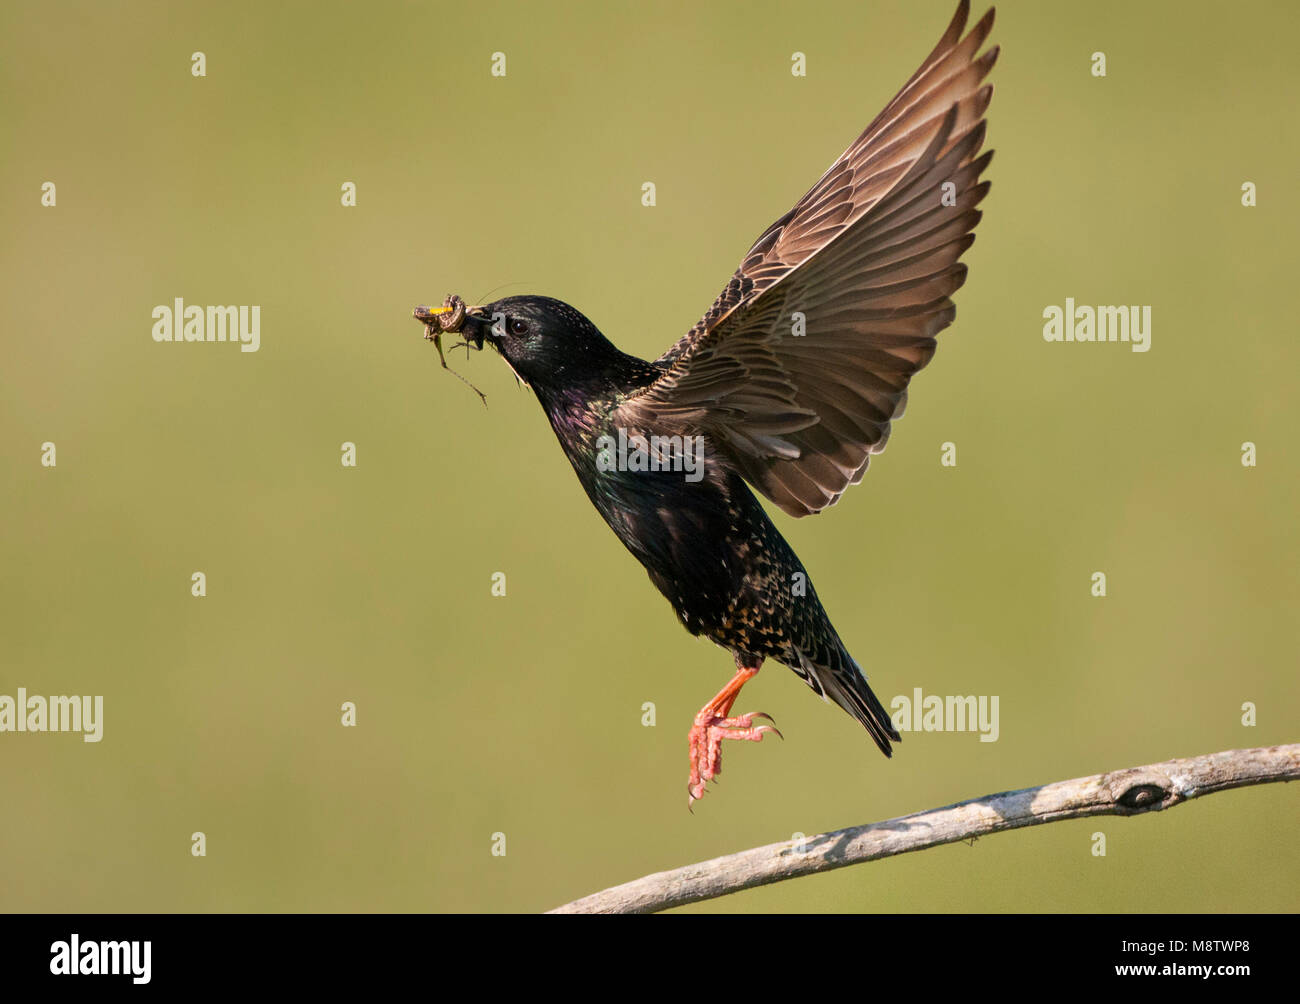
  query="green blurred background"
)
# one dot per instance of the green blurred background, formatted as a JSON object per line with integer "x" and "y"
{"x": 522, "y": 714}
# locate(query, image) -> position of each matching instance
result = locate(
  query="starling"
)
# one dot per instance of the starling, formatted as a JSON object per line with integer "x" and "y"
{"x": 788, "y": 383}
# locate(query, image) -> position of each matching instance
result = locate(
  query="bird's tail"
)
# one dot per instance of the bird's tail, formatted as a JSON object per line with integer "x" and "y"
{"x": 846, "y": 685}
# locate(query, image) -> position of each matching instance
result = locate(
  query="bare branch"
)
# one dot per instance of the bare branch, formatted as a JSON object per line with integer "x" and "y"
{"x": 1118, "y": 793}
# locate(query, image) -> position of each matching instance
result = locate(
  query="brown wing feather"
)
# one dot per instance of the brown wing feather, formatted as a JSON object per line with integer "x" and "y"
{"x": 869, "y": 256}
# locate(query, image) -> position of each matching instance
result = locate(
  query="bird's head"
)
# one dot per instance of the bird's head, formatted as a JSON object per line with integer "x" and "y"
{"x": 545, "y": 341}
{"x": 549, "y": 345}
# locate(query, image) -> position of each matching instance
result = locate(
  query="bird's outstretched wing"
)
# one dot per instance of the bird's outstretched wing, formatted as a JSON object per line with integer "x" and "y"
{"x": 798, "y": 368}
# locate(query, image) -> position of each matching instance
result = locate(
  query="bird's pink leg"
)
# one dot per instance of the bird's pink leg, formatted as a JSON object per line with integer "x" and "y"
{"x": 712, "y": 726}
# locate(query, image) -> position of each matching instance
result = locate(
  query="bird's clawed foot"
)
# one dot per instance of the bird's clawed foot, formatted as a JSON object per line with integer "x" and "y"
{"x": 706, "y": 744}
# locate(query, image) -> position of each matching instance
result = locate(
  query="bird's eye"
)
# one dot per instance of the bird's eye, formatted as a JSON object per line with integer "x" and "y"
{"x": 518, "y": 326}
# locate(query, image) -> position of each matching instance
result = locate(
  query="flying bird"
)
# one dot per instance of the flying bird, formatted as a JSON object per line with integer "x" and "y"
{"x": 788, "y": 383}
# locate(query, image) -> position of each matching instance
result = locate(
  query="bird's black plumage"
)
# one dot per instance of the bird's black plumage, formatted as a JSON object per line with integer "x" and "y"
{"x": 789, "y": 382}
